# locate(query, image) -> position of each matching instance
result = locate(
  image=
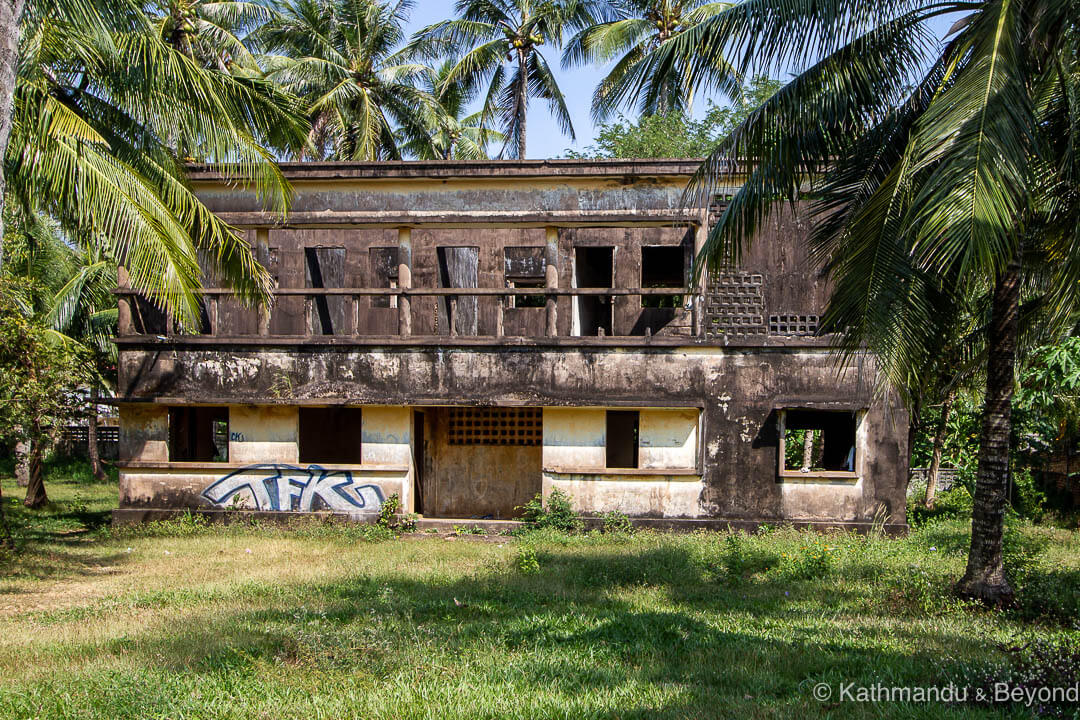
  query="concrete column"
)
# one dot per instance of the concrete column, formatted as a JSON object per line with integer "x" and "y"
{"x": 262, "y": 254}
{"x": 124, "y": 322}
{"x": 404, "y": 281}
{"x": 551, "y": 279}
{"x": 701, "y": 234}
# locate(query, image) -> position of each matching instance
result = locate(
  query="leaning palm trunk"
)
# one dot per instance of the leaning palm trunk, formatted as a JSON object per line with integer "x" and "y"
{"x": 35, "y": 490}
{"x": 939, "y": 444}
{"x": 10, "y": 13}
{"x": 985, "y": 576}
{"x": 92, "y": 437}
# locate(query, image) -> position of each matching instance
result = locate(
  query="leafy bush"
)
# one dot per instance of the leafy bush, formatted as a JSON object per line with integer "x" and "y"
{"x": 954, "y": 503}
{"x": 1028, "y": 500}
{"x": 810, "y": 561}
{"x": 388, "y": 511}
{"x": 557, "y": 514}
{"x": 733, "y": 559}
{"x": 527, "y": 562}
{"x": 616, "y": 522}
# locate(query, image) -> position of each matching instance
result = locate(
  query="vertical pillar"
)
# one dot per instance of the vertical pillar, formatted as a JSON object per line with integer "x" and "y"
{"x": 551, "y": 279}
{"x": 404, "y": 281}
{"x": 124, "y": 323}
{"x": 262, "y": 254}
{"x": 700, "y": 278}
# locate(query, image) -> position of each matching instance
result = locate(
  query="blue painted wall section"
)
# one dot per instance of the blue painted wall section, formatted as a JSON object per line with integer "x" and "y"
{"x": 287, "y": 487}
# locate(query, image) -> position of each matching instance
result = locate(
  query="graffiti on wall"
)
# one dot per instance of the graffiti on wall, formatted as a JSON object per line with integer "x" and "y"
{"x": 275, "y": 486}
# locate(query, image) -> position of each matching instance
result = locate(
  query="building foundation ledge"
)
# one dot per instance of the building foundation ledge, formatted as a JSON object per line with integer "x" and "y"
{"x": 134, "y": 516}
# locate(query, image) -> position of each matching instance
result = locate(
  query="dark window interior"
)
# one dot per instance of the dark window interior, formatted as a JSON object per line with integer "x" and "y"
{"x": 816, "y": 440}
{"x": 384, "y": 273}
{"x": 594, "y": 267}
{"x": 330, "y": 436}
{"x": 524, "y": 267}
{"x": 146, "y": 317}
{"x": 199, "y": 434}
{"x": 663, "y": 267}
{"x": 622, "y": 438}
{"x": 325, "y": 268}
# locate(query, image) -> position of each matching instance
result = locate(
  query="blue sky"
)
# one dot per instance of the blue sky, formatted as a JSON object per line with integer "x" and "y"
{"x": 544, "y": 138}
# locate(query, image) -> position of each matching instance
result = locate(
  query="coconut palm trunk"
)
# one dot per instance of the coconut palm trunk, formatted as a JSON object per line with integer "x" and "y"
{"x": 35, "y": 490}
{"x": 92, "y": 453}
{"x": 522, "y": 101}
{"x": 939, "y": 445}
{"x": 10, "y": 13}
{"x": 985, "y": 576}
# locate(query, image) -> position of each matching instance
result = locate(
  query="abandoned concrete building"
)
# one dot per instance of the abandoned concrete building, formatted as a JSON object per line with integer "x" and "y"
{"x": 465, "y": 335}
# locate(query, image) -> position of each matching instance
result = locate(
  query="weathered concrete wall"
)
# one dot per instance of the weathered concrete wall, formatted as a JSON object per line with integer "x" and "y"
{"x": 268, "y": 487}
{"x": 738, "y": 392}
{"x": 574, "y": 438}
{"x": 144, "y": 433}
{"x": 262, "y": 434}
{"x": 668, "y": 439}
{"x": 648, "y": 496}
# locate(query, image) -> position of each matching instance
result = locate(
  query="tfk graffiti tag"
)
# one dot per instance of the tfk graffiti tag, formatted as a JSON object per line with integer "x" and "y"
{"x": 287, "y": 487}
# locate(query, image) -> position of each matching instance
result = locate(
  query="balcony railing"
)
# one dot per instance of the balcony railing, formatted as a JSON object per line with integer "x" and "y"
{"x": 355, "y": 318}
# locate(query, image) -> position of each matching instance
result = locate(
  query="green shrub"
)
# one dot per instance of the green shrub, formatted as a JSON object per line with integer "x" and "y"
{"x": 616, "y": 522}
{"x": 388, "y": 511}
{"x": 808, "y": 562}
{"x": 557, "y": 514}
{"x": 733, "y": 559}
{"x": 526, "y": 560}
{"x": 1027, "y": 499}
{"x": 954, "y": 503}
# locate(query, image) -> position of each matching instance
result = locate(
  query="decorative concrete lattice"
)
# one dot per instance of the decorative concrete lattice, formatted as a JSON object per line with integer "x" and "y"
{"x": 496, "y": 426}
{"x": 735, "y": 304}
{"x": 791, "y": 324}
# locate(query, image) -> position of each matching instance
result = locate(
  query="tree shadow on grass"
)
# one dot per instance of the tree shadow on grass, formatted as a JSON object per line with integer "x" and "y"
{"x": 590, "y": 624}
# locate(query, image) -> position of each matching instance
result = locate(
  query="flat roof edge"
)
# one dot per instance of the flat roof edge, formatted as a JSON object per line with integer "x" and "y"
{"x": 426, "y": 169}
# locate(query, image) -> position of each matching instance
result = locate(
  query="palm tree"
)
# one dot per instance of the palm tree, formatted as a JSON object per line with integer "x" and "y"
{"x": 449, "y": 134}
{"x": 632, "y": 33}
{"x": 106, "y": 115}
{"x": 67, "y": 291}
{"x": 210, "y": 31}
{"x": 340, "y": 56}
{"x": 498, "y": 44}
{"x": 937, "y": 171}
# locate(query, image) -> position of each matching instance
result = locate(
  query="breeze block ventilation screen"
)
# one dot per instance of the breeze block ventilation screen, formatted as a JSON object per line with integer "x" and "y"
{"x": 735, "y": 304}
{"x": 496, "y": 426}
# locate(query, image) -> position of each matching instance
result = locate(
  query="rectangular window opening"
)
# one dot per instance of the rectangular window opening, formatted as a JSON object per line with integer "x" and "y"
{"x": 324, "y": 268}
{"x": 663, "y": 266}
{"x": 199, "y": 434}
{"x": 330, "y": 436}
{"x": 384, "y": 274}
{"x": 594, "y": 267}
{"x": 622, "y": 438}
{"x": 817, "y": 441}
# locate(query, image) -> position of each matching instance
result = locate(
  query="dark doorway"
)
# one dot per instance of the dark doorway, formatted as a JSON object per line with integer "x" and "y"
{"x": 418, "y": 461}
{"x": 594, "y": 267}
{"x": 622, "y": 438}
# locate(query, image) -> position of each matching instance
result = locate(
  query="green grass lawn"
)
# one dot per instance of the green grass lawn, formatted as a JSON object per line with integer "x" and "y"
{"x": 180, "y": 620}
